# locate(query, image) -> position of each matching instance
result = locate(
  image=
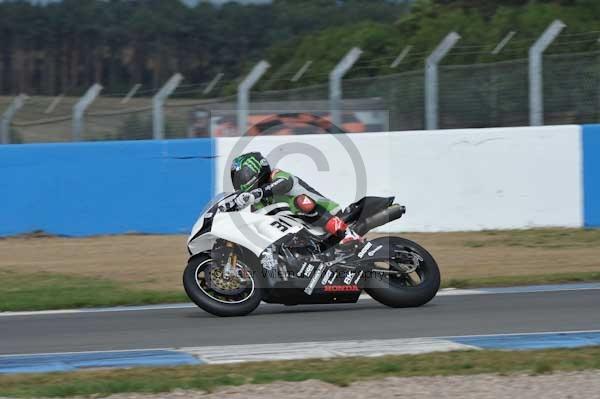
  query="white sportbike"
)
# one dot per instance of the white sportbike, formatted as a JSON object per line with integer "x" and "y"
{"x": 238, "y": 259}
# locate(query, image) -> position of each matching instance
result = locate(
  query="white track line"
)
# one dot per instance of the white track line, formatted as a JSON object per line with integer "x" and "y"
{"x": 87, "y": 352}
{"x": 101, "y": 310}
{"x": 518, "y": 334}
{"x": 364, "y": 297}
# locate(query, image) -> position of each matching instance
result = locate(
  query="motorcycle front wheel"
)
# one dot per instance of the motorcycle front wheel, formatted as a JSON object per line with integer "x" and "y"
{"x": 217, "y": 294}
{"x": 417, "y": 282}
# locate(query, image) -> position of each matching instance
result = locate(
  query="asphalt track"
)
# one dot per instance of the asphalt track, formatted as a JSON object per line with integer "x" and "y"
{"x": 448, "y": 315}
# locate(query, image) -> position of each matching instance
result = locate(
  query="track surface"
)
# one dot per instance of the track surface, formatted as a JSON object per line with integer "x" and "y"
{"x": 445, "y": 316}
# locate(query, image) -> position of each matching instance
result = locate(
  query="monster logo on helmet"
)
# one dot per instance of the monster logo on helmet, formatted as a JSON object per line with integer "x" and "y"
{"x": 253, "y": 164}
{"x": 249, "y": 171}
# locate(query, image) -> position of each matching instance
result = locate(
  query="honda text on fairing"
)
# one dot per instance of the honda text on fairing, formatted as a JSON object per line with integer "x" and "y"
{"x": 240, "y": 258}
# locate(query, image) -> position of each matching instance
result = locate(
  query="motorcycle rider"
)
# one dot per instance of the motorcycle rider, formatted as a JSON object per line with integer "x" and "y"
{"x": 260, "y": 186}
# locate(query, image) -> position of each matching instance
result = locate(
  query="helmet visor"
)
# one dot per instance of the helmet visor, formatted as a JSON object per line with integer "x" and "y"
{"x": 250, "y": 185}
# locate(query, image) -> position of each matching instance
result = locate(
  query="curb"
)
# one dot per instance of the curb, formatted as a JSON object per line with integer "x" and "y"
{"x": 64, "y": 362}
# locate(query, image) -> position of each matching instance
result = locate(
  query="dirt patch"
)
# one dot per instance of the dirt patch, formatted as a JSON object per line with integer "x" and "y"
{"x": 575, "y": 385}
{"x": 562, "y": 385}
{"x": 156, "y": 262}
{"x": 149, "y": 261}
{"x": 511, "y": 253}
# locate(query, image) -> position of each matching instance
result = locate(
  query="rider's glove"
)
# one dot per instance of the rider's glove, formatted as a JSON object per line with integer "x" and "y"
{"x": 227, "y": 206}
{"x": 258, "y": 194}
{"x": 244, "y": 200}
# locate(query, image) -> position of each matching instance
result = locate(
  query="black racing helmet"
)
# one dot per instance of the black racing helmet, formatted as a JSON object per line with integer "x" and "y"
{"x": 250, "y": 171}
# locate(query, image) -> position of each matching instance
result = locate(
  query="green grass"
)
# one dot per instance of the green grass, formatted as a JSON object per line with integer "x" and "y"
{"x": 336, "y": 371}
{"x": 509, "y": 281}
{"x": 538, "y": 238}
{"x": 42, "y": 291}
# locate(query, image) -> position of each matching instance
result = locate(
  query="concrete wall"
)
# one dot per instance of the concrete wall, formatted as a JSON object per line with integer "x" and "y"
{"x": 104, "y": 188}
{"x": 449, "y": 180}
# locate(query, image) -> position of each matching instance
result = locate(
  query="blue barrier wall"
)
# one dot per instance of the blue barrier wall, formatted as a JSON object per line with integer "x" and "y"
{"x": 591, "y": 175}
{"x": 80, "y": 189}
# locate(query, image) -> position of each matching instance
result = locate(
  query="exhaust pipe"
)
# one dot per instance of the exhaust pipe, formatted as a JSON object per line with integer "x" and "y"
{"x": 390, "y": 214}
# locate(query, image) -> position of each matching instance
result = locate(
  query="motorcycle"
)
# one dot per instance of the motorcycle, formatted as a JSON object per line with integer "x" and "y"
{"x": 240, "y": 258}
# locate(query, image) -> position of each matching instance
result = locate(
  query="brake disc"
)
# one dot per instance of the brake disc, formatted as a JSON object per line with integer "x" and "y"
{"x": 226, "y": 285}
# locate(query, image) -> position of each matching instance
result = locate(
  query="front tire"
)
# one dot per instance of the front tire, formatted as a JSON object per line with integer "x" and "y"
{"x": 403, "y": 292}
{"x": 216, "y": 306}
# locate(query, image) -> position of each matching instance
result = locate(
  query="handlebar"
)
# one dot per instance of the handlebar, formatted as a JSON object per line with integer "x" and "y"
{"x": 230, "y": 204}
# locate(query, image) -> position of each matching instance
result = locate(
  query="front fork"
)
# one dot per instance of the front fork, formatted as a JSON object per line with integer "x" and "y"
{"x": 229, "y": 268}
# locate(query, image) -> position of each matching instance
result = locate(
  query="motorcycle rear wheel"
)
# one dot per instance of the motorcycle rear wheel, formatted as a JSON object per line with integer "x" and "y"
{"x": 403, "y": 291}
{"x": 223, "y": 307}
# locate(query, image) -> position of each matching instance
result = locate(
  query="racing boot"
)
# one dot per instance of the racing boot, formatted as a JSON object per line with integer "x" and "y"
{"x": 350, "y": 236}
{"x": 337, "y": 227}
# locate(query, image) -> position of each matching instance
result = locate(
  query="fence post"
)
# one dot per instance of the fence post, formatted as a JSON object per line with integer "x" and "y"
{"x": 500, "y": 46}
{"x": 335, "y": 83}
{"x": 52, "y": 106}
{"x": 213, "y": 83}
{"x": 79, "y": 109}
{"x": 158, "y": 102}
{"x": 431, "y": 79}
{"x": 131, "y": 93}
{"x": 301, "y": 71}
{"x": 8, "y": 117}
{"x": 401, "y": 56}
{"x": 536, "y": 90}
{"x": 243, "y": 94}
{"x": 494, "y": 78}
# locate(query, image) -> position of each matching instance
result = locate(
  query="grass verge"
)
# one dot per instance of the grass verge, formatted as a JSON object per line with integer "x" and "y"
{"x": 336, "y": 371}
{"x": 43, "y": 291}
{"x": 47, "y": 291}
{"x": 509, "y": 281}
{"x": 536, "y": 239}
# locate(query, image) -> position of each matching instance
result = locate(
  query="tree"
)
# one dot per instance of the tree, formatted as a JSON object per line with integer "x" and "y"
{"x": 67, "y": 46}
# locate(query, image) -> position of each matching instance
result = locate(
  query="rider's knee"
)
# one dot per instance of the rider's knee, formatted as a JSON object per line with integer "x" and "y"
{"x": 305, "y": 203}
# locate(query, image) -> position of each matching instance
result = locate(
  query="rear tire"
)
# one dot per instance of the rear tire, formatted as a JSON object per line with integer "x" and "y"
{"x": 391, "y": 293}
{"x": 211, "y": 305}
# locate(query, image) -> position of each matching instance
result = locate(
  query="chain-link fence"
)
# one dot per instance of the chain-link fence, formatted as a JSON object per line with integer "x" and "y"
{"x": 484, "y": 95}
{"x": 400, "y": 95}
{"x": 572, "y": 88}
{"x": 470, "y": 96}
